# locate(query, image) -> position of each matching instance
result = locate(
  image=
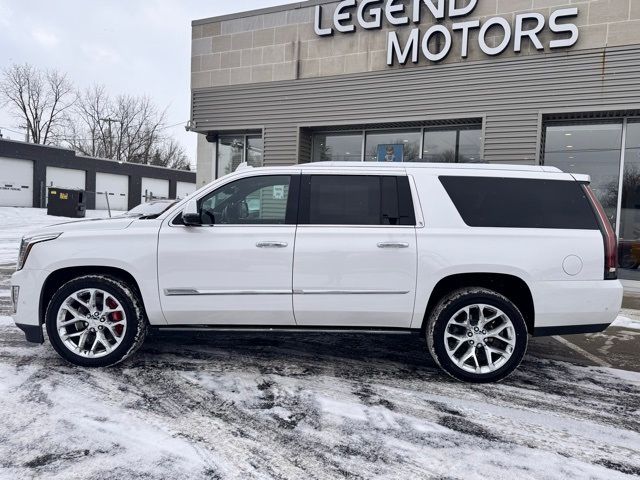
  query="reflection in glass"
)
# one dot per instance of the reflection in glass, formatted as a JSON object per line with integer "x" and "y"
{"x": 255, "y": 148}
{"x": 378, "y": 141}
{"x": 470, "y": 146}
{"x": 629, "y": 251}
{"x": 440, "y": 146}
{"x": 337, "y": 147}
{"x": 230, "y": 154}
{"x": 592, "y": 149}
{"x": 454, "y": 145}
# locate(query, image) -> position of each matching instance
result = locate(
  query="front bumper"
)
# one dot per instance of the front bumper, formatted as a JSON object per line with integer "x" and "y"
{"x": 26, "y": 313}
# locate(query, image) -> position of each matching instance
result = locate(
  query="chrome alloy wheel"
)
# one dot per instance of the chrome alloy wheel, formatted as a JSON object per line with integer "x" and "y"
{"x": 480, "y": 338}
{"x": 91, "y": 323}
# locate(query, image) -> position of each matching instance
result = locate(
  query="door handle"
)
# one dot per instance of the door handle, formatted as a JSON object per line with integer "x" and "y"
{"x": 391, "y": 245}
{"x": 272, "y": 244}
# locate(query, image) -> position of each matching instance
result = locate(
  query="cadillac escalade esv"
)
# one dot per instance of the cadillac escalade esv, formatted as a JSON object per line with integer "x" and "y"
{"x": 474, "y": 258}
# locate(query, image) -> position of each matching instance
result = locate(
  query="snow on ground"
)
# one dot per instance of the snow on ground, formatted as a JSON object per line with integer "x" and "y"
{"x": 316, "y": 406}
{"x": 628, "y": 319}
{"x": 16, "y": 222}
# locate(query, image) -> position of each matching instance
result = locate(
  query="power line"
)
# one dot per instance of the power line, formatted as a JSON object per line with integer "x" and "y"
{"x": 175, "y": 125}
{"x": 14, "y": 131}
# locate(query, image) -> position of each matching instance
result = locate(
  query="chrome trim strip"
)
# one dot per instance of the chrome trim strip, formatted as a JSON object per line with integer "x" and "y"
{"x": 351, "y": 292}
{"x": 177, "y": 292}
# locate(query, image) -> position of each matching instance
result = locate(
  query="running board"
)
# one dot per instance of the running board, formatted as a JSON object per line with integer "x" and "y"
{"x": 287, "y": 329}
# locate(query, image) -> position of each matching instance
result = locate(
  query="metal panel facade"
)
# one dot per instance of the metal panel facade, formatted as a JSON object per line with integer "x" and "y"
{"x": 510, "y": 94}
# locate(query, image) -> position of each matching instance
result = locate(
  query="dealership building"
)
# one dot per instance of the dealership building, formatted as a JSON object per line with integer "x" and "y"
{"x": 532, "y": 82}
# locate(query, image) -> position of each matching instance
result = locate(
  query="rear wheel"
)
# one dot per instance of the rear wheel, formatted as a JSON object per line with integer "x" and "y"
{"x": 96, "y": 321}
{"x": 477, "y": 335}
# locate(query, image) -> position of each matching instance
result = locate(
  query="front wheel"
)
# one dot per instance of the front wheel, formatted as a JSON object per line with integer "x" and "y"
{"x": 477, "y": 335}
{"x": 96, "y": 321}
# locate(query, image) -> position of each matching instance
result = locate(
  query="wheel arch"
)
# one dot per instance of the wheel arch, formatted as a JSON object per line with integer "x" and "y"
{"x": 59, "y": 277}
{"x": 511, "y": 286}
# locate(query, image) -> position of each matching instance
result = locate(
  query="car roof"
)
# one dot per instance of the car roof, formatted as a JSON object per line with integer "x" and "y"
{"x": 438, "y": 166}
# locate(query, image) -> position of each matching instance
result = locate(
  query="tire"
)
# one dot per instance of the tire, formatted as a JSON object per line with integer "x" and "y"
{"x": 451, "y": 330}
{"x": 112, "y": 329}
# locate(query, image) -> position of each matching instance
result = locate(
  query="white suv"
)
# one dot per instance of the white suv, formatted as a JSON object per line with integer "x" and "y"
{"x": 473, "y": 257}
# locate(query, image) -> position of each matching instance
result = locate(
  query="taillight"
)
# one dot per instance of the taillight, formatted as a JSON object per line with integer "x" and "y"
{"x": 609, "y": 236}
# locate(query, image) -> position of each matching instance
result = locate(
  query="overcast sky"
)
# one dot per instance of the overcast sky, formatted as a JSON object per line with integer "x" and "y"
{"x": 132, "y": 47}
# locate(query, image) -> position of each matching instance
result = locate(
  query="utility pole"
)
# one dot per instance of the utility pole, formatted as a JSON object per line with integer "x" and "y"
{"x": 109, "y": 121}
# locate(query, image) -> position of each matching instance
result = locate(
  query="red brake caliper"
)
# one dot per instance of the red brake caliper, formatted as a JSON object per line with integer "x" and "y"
{"x": 115, "y": 316}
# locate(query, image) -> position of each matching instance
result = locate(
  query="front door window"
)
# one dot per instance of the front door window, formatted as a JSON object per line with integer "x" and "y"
{"x": 249, "y": 201}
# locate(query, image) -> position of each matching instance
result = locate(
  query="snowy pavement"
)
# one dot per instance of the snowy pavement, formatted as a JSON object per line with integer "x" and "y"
{"x": 311, "y": 406}
{"x": 317, "y": 406}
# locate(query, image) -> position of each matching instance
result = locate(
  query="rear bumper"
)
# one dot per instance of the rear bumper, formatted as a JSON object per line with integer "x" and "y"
{"x": 570, "y": 330}
{"x": 567, "y": 308}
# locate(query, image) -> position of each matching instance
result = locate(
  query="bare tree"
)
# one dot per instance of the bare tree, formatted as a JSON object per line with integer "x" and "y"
{"x": 127, "y": 129}
{"x": 172, "y": 155}
{"x": 37, "y": 99}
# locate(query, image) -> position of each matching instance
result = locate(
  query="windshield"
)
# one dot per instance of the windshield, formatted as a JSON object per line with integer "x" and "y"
{"x": 151, "y": 209}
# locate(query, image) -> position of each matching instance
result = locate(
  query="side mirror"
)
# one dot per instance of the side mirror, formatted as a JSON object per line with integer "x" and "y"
{"x": 191, "y": 215}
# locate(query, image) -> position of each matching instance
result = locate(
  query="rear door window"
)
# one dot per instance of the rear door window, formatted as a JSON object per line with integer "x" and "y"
{"x": 356, "y": 200}
{"x": 520, "y": 202}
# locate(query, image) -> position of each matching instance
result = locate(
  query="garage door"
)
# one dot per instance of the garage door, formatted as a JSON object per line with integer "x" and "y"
{"x": 16, "y": 183}
{"x": 183, "y": 189}
{"x": 116, "y": 187}
{"x": 153, "y": 188}
{"x": 65, "y": 178}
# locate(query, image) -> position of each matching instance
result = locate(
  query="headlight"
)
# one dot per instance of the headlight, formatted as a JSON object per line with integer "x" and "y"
{"x": 27, "y": 244}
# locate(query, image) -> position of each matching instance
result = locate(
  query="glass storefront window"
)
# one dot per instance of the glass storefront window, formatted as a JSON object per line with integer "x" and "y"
{"x": 439, "y": 146}
{"x": 593, "y": 149}
{"x": 428, "y": 144}
{"x": 452, "y": 145}
{"x": 230, "y": 153}
{"x": 236, "y": 149}
{"x": 337, "y": 147}
{"x": 255, "y": 148}
{"x": 470, "y": 145}
{"x": 629, "y": 238}
{"x": 393, "y": 146}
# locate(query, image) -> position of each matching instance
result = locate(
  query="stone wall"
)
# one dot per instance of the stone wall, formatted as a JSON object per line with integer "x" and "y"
{"x": 282, "y": 45}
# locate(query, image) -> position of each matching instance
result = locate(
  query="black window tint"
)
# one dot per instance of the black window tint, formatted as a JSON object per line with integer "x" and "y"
{"x": 344, "y": 200}
{"x": 357, "y": 200}
{"x": 406, "y": 209}
{"x": 520, "y": 203}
